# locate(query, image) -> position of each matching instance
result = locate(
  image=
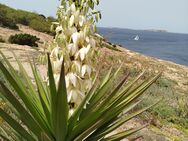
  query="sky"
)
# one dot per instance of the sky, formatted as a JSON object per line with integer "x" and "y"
{"x": 170, "y": 15}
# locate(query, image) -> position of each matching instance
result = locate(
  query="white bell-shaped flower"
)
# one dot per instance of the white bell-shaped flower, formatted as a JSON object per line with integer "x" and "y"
{"x": 77, "y": 66}
{"x": 76, "y": 16}
{"x": 73, "y": 7}
{"x": 87, "y": 39}
{"x": 71, "y": 111}
{"x": 86, "y": 32}
{"x": 68, "y": 32}
{"x": 88, "y": 84}
{"x": 72, "y": 20}
{"x": 76, "y": 96}
{"x": 72, "y": 78}
{"x": 81, "y": 20}
{"x": 72, "y": 48}
{"x": 83, "y": 52}
{"x": 75, "y": 37}
{"x": 59, "y": 29}
{"x": 86, "y": 69}
{"x": 57, "y": 65}
{"x": 92, "y": 42}
{"x": 78, "y": 37}
{"x": 55, "y": 52}
{"x": 69, "y": 96}
{"x": 82, "y": 37}
{"x": 56, "y": 78}
{"x": 67, "y": 81}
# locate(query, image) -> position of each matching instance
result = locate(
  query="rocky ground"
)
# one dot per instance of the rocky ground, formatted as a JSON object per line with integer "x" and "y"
{"x": 133, "y": 62}
{"x": 177, "y": 74}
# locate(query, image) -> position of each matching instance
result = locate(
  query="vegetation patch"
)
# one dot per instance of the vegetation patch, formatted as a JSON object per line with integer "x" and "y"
{"x": 9, "y": 17}
{"x": 1, "y": 39}
{"x": 166, "y": 134}
{"x": 5, "y": 21}
{"x": 24, "y": 39}
{"x": 173, "y": 107}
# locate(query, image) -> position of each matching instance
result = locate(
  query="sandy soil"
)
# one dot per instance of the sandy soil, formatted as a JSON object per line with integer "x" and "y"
{"x": 24, "y": 51}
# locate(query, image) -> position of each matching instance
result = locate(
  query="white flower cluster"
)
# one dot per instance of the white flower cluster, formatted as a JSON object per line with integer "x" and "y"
{"x": 74, "y": 43}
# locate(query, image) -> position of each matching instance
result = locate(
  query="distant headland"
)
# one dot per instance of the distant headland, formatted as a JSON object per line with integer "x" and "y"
{"x": 156, "y": 30}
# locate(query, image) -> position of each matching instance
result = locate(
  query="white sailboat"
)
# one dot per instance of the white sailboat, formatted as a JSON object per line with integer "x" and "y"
{"x": 136, "y": 38}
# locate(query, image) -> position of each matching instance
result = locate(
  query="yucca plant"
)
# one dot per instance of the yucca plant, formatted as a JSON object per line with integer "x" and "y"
{"x": 75, "y": 43}
{"x": 40, "y": 112}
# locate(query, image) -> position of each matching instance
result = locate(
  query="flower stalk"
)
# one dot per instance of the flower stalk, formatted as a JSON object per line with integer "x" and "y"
{"x": 75, "y": 44}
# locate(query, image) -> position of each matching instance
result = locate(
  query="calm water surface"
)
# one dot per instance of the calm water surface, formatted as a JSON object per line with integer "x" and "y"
{"x": 163, "y": 45}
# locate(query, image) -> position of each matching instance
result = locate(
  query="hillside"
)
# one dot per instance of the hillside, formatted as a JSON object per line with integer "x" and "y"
{"x": 169, "y": 119}
{"x": 10, "y": 17}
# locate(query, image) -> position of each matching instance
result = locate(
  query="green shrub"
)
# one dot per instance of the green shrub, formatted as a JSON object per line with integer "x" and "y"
{"x": 1, "y": 40}
{"x": 23, "y": 20}
{"x": 173, "y": 107}
{"x": 9, "y": 17}
{"x": 40, "y": 25}
{"x": 51, "y": 19}
{"x": 7, "y": 22}
{"x": 24, "y": 39}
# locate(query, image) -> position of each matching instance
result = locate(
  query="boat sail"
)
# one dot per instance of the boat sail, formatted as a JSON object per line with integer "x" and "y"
{"x": 136, "y": 38}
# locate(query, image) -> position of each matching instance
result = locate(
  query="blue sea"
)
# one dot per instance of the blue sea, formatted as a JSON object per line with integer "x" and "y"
{"x": 163, "y": 45}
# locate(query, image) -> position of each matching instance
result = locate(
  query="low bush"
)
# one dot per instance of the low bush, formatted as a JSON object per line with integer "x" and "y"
{"x": 1, "y": 40}
{"x": 9, "y": 17}
{"x": 40, "y": 25}
{"x": 174, "y": 105}
{"x": 24, "y": 39}
{"x": 7, "y": 22}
